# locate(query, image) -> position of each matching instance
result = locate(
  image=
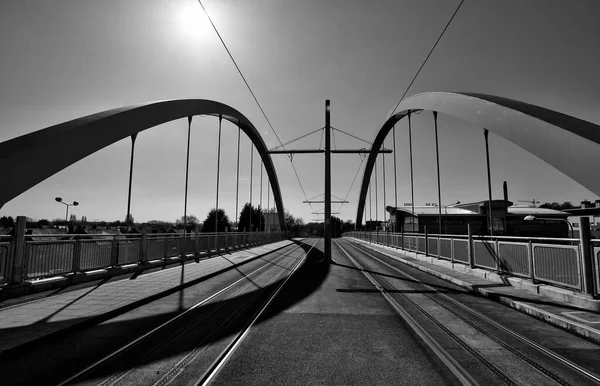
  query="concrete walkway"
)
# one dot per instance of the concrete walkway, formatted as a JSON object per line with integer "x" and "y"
{"x": 24, "y": 323}
{"x": 563, "y": 308}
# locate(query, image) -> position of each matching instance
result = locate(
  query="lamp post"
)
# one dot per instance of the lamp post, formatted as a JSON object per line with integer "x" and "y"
{"x": 532, "y": 217}
{"x": 60, "y": 200}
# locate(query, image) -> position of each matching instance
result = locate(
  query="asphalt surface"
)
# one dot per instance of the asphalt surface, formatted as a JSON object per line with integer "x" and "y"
{"x": 291, "y": 317}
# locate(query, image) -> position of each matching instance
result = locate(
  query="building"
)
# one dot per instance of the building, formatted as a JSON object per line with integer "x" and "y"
{"x": 507, "y": 220}
{"x": 589, "y": 210}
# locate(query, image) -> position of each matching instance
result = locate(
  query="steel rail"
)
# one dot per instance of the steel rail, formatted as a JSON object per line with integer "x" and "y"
{"x": 218, "y": 364}
{"x": 540, "y": 348}
{"x": 460, "y": 372}
{"x": 169, "y": 322}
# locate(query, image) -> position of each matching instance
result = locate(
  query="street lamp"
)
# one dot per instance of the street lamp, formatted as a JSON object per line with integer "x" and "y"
{"x": 532, "y": 217}
{"x": 60, "y": 200}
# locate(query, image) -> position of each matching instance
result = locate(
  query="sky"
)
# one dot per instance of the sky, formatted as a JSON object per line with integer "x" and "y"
{"x": 65, "y": 59}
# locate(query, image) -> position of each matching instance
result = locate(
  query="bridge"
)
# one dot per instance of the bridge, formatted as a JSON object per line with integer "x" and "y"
{"x": 397, "y": 302}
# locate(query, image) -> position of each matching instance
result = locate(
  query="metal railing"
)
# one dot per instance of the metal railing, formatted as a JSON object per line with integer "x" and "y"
{"x": 58, "y": 255}
{"x": 5, "y": 249}
{"x": 544, "y": 260}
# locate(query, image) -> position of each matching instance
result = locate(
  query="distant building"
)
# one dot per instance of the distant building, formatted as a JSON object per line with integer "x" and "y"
{"x": 589, "y": 210}
{"x": 507, "y": 220}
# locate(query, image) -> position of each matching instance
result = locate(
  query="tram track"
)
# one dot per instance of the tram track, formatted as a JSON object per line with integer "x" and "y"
{"x": 474, "y": 320}
{"x": 245, "y": 292}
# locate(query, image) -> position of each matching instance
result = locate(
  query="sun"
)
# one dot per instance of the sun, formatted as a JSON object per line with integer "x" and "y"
{"x": 190, "y": 20}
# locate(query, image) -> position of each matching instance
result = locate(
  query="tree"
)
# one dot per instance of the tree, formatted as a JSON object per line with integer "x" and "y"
{"x": 557, "y": 206}
{"x": 7, "y": 222}
{"x": 72, "y": 218}
{"x": 43, "y": 222}
{"x": 128, "y": 219}
{"x": 191, "y": 219}
{"x": 221, "y": 218}
{"x": 251, "y": 218}
{"x": 83, "y": 218}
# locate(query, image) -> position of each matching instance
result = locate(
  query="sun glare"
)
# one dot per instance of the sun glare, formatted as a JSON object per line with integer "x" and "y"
{"x": 191, "y": 20}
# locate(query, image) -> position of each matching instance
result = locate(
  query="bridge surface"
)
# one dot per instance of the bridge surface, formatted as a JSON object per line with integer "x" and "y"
{"x": 281, "y": 314}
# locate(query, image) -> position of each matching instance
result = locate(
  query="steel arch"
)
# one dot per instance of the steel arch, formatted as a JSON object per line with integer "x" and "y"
{"x": 569, "y": 144}
{"x": 62, "y": 145}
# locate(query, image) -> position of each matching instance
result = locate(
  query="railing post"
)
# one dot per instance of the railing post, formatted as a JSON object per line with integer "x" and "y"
{"x": 586, "y": 256}
{"x": 402, "y": 238}
{"x": 197, "y": 240}
{"x": 18, "y": 256}
{"x": 426, "y": 241}
{"x": 114, "y": 252}
{"x": 76, "y": 256}
{"x": 226, "y": 238}
{"x": 469, "y": 247}
{"x": 144, "y": 247}
{"x": 531, "y": 265}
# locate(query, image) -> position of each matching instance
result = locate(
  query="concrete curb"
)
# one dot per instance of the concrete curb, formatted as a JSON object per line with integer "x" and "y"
{"x": 578, "y": 329}
{"x": 135, "y": 304}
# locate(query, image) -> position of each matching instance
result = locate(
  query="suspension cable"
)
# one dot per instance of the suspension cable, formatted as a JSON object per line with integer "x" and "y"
{"x": 384, "y": 196}
{"x": 412, "y": 188}
{"x": 218, "y": 175}
{"x": 187, "y": 168}
{"x": 395, "y": 178}
{"x": 428, "y": 55}
{"x": 237, "y": 185}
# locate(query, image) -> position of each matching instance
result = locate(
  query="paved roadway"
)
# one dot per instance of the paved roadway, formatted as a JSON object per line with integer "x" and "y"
{"x": 291, "y": 318}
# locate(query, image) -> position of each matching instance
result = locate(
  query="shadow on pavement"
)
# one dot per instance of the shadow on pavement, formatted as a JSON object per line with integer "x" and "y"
{"x": 208, "y": 324}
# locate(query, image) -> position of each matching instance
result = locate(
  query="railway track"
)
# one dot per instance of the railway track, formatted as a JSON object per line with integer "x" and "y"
{"x": 445, "y": 324}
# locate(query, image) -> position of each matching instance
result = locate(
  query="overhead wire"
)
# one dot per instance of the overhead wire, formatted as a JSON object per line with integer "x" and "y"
{"x": 428, "y": 55}
{"x": 252, "y": 92}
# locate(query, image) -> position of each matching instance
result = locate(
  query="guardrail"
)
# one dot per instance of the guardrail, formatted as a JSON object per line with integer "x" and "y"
{"x": 58, "y": 255}
{"x": 543, "y": 260}
{"x": 5, "y": 249}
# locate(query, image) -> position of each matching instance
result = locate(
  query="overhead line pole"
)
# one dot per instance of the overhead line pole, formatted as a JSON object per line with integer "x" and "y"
{"x": 327, "y": 181}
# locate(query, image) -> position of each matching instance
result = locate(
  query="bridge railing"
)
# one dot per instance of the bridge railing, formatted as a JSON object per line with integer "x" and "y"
{"x": 59, "y": 255}
{"x": 543, "y": 260}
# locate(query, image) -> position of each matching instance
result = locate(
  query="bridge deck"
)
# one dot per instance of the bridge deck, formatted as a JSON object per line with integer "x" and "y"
{"x": 327, "y": 323}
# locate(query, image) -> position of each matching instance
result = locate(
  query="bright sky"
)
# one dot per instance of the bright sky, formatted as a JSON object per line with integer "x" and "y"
{"x": 64, "y": 59}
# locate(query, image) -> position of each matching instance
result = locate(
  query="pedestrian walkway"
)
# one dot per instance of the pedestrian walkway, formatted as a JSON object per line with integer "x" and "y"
{"x": 575, "y": 312}
{"x": 24, "y": 323}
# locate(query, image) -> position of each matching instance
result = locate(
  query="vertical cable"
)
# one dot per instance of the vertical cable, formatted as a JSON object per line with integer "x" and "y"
{"x": 237, "y": 183}
{"x": 268, "y": 198}
{"x": 187, "y": 169}
{"x": 489, "y": 178}
{"x": 412, "y": 189}
{"x": 128, "y": 217}
{"x": 437, "y": 157}
{"x": 376, "y": 195}
{"x": 218, "y": 174}
{"x": 395, "y": 179}
{"x": 260, "y": 201}
{"x": 251, "y": 169}
{"x": 384, "y": 196}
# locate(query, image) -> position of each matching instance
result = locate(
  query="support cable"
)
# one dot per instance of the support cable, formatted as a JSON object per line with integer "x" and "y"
{"x": 384, "y": 186}
{"x": 260, "y": 200}
{"x": 239, "y": 71}
{"x": 187, "y": 169}
{"x": 395, "y": 179}
{"x": 251, "y": 170}
{"x": 353, "y": 136}
{"x": 218, "y": 175}
{"x": 428, "y": 55}
{"x": 295, "y": 139}
{"x": 362, "y": 159}
{"x": 251, "y": 92}
{"x": 437, "y": 157}
{"x": 412, "y": 187}
{"x": 376, "y": 196}
{"x": 237, "y": 185}
{"x": 128, "y": 221}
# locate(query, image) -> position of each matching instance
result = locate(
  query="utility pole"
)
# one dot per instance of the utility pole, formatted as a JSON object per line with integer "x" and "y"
{"x": 327, "y": 182}
{"x": 327, "y": 196}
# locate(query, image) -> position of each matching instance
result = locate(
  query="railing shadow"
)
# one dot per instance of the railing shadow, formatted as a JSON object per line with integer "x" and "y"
{"x": 206, "y": 325}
